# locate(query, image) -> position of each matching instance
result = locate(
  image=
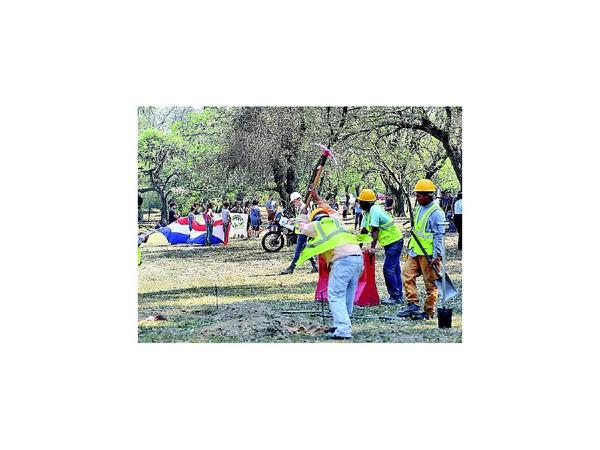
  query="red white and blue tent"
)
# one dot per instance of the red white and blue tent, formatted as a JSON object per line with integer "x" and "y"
{"x": 179, "y": 231}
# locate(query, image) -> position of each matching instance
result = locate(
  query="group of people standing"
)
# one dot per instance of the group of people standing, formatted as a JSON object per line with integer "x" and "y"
{"x": 250, "y": 208}
{"x": 208, "y": 216}
{"x": 452, "y": 207}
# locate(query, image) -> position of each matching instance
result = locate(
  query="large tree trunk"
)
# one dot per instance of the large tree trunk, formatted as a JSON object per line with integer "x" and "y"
{"x": 398, "y": 195}
{"x": 456, "y": 159}
{"x": 163, "y": 207}
{"x": 286, "y": 181}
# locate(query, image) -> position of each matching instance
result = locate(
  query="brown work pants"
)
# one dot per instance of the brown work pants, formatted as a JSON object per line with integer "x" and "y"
{"x": 413, "y": 267}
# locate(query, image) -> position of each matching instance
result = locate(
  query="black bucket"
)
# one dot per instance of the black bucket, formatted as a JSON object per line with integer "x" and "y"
{"x": 444, "y": 317}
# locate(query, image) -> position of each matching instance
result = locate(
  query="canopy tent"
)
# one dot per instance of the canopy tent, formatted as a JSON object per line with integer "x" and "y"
{"x": 157, "y": 239}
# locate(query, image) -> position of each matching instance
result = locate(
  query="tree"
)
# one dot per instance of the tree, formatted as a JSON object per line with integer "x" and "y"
{"x": 159, "y": 158}
{"x": 443, "y": 124}
{"x": 201, "y": 154}
{"x": 266, "y": 145}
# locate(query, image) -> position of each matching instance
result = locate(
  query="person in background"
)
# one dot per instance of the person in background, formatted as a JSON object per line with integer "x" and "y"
{"x": 296, "y": 199}
{"x": 246, "y": 210}
{"x": 458, "y": 218}
{"x": 209, "y": 220}
{"x": 380, "y": 225}
{"x": 270, "y": 207}
{"x": 191, "y": 216}
{"x": 329, "y": 238}
{"x": 345, "y": 211}
{"x": 140, "y": 202}
{"x": 358, "y": 214}
{"x": 255, "y": 219}
{"x": 389, "y": 204}
{"x": 429, "y": 228}
{"x": 173, "y": 216}
{"x": 142, "y": 237}
{"x": 226, "y": 216}
{"x": 334, "y": 204}
{"x": 446, "y": 203}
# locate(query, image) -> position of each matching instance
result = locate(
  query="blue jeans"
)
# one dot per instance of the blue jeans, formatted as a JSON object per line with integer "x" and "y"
{"x": 357, "y": 220}
{"x": 343, "y": 280}
{"x": 391, "y": 269}
{"x": 300, "y": 244}
{"x": 209, "y": 230}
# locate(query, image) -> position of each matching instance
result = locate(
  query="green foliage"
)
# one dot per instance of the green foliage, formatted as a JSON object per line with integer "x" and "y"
{"x": 446, "y": 179}
{"x": 213, "y": 153}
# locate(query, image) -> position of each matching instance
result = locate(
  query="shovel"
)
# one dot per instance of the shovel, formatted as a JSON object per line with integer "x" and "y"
{"x": 444, "y": 283}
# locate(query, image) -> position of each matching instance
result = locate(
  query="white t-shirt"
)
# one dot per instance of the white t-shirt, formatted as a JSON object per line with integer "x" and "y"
{"x": 458, "y": 206}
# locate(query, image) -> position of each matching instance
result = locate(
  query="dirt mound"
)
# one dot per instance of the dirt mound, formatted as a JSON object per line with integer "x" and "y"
{"x": 249, "y": 321}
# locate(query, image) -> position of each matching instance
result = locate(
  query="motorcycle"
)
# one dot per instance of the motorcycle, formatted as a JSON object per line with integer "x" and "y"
{"x": 281, "y": 230}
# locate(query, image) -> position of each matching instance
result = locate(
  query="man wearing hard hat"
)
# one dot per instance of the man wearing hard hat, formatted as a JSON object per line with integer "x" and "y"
{"x": 380, "y": 224}
{"x": 429, "y": 228}
{"x": 296, "y": 199}
{"x": 340, "y": 249}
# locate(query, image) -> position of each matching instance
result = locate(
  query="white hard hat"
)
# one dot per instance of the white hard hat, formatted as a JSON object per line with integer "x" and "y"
{"x": 295, "y": 195}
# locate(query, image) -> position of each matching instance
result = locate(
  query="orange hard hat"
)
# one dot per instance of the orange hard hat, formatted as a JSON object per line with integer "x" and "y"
{"x": 318, "y": 211}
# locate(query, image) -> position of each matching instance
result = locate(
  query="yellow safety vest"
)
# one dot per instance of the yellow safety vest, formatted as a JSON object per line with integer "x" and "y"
{"x": 388, "y": 232}
{"x": 331, "y": 233}
{"x": 426, "y": 238}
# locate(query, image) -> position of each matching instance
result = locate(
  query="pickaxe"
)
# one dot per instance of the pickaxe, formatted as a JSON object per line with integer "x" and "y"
{"x": 316, "y": 175}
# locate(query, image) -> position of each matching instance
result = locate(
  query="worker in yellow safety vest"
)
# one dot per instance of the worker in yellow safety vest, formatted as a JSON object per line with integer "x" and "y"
{"x": 429, "y": 228}
{"x": 142, "y": 237}
{"x": 380, "y": 224}
{"x": 340, "y": 249}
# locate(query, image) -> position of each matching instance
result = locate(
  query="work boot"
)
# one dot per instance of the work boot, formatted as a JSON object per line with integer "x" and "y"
{"x": 421, "y": 316}
{"x": 410, "y": 310}
{"x": 391, "y": 301}
{"x": 336, "y": 337}
{"x": 288, "y": 271}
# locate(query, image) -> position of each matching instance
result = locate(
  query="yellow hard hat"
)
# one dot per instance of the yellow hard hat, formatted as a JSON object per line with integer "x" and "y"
{"x": 314, "y": 212}
{"x": 367, "y": 195}
{"x": 424, "y": 185}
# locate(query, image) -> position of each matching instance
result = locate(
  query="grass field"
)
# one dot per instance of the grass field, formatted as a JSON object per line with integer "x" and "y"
{"x": 234, "y": 294}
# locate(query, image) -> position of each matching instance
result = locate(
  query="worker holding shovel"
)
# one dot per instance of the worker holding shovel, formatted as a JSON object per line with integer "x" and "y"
{"x": 340, "y": 249}
{"x": 424, "y": 253}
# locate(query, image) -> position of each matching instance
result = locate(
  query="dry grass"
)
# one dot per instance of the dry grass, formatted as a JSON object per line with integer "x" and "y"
{"x": 235, "y": 294}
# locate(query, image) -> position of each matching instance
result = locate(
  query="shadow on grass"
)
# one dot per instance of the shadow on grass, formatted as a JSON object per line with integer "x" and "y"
{"x": 240, "y": 254}
{"x": 239, "y": 291}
